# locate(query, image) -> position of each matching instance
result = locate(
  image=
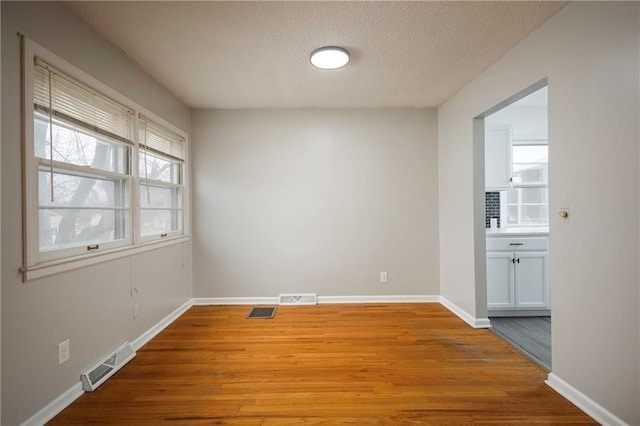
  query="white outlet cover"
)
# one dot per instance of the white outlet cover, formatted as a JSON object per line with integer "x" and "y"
{"x": 64, "y": 351}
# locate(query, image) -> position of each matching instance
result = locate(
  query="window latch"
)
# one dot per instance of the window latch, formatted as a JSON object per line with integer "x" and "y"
{"x": 93, "y": 247}
{"x": 163, "y": 235}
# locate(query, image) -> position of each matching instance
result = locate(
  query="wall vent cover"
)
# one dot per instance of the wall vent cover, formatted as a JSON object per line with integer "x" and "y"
{"x": 100, "y": 372}
{"x": 299, "y": 299}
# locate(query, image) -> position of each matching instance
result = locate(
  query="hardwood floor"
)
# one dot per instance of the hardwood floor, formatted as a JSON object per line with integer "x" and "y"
{"x": 328, "y": 364}
{"x": 531, "y": 335}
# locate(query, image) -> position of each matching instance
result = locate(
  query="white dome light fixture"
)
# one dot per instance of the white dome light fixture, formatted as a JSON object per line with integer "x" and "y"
{"x": 329, "y": 57}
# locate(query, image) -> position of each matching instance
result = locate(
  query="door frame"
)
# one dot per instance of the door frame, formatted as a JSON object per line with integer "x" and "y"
{"x": 479, "y": 208}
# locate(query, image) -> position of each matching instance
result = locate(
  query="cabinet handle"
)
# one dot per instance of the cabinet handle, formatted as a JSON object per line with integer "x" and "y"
{"x": 93, "y": 247}
{"x": 516, "y": 244}
{"x": 514, "y": 260}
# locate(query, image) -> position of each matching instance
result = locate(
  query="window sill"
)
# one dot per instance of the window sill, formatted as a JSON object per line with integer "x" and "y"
{"x": 64, "y": 265}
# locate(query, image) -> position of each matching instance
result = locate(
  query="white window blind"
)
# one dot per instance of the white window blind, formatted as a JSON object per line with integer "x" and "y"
{"x": 160, "y": 140}
{"x": 59, "y": 95}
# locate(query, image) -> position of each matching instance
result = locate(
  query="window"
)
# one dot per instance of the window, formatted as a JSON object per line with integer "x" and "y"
{"x": 527, "y": 203}
{"x": 101, "y": 173}
{"x": 160, "y": 168}
{"x": 82, "y": 145}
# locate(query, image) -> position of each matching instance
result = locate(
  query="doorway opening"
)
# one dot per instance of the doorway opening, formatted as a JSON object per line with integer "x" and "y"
{"x": 517, "y": 222}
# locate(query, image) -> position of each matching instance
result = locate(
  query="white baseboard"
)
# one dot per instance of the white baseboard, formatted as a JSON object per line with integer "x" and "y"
{"x": 161, "y": 325}
{"x": 56, "y": 406}
{"x": 379, "y": 299}
{"x": 200, "y": 301}
{"x": 583, "y": 402}
{"x": 464, "y": 315}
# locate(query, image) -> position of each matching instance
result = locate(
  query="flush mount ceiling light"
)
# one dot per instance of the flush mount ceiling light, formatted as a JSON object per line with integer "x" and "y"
{"x": 329, "y": 57}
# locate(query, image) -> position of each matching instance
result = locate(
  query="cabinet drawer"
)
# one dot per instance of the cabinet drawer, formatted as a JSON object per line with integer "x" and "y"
{"x": 515, "y": 243}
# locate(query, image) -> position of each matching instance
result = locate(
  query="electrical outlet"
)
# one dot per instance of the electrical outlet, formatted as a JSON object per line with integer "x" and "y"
{"x": 136, "y": 312}
{"x": 384, "y": 278}
{"x": 64, "y": 351}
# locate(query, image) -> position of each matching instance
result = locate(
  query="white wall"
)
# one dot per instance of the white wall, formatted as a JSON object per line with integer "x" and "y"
{"x": 315, "y": 201}
{"x": 529, "y": 121}
{"x": 91, "y": 306}
{"x": 589, "y": 52}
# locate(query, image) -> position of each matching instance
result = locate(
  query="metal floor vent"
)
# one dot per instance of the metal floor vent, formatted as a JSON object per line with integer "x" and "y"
{"x": 299, "y": 299}
{"x": 264, "y": 313}
{"x": 100, "y": 372}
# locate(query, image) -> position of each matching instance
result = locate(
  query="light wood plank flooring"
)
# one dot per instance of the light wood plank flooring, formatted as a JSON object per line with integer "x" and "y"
{"x": 329, "y": 364}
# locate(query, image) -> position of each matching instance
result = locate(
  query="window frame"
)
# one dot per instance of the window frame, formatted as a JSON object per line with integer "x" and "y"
{"x": 71, "y": 169}
{"x": 35, "y": 264}
{"x": 144, "y": 181}
{"x": 504, "y": 200}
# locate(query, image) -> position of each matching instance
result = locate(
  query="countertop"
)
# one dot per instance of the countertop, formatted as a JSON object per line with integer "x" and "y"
{"x": 537, "y": 231}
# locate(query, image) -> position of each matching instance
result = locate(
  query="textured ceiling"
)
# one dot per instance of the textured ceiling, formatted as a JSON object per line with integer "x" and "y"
{"x": 256, "y": 54}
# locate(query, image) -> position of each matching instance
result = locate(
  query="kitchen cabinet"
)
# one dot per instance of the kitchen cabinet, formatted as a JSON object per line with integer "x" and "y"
{"x": 518, "y": 273}
{"x": 532, "y": 280}
{"x": 497, "y": 157}
{"x": 500, "y": 280}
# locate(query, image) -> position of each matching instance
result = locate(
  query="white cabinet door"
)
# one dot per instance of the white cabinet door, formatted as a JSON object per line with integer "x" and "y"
{"x": 500, "y": 280}
{"x": 532, "y": 280}
{"x": 497, "y": 158}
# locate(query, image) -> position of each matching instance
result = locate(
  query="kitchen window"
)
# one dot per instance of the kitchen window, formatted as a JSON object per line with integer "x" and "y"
{"x": 527, "y": 202}
{"x": 102, "y": 174}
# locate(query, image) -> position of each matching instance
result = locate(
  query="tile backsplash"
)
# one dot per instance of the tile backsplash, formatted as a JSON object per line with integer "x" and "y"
{"x": 492, "y": 202}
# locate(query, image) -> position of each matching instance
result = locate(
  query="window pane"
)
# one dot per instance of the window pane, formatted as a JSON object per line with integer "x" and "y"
{"x": 528, "y": 206}
{"x": 74, "y": 145}
{"x": 530, "y": 154}
{"x": 80, "y": 191}
{"x": 529, "y": 173}
{"x": 528, "y": 215}
{"x": 60, "y": 228}
{"x": 155, "y": 167}
{"x": 535, "y": 195}
{"x": 528, "y": 195}
{"x": 530, "y": 164}
{"x": 533, "y": 215}
{"x": 156, "y": 222}
{"x": 159, "y": 197}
